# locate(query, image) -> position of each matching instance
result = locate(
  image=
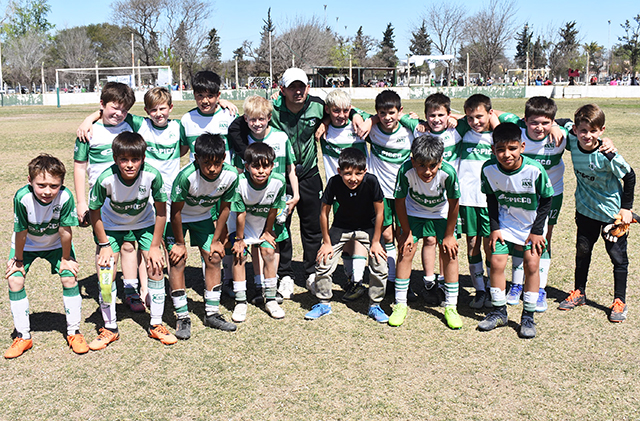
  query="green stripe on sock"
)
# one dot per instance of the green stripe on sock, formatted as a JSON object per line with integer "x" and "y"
{"x": 529, "y": 306}
{"x": 358, "y": 257}
{"x": 389, "y": 246}
{"x": 69, "y": 292}
{"x": 402, "y": 284}
{"x": 156, "y": 284}
{"x": 17, "y": 295}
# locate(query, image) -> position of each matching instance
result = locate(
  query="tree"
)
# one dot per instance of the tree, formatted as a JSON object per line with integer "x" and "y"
{"x": 142, "y": 17}
{"x": 488, "y": 33}
{"x": 261, "y": 54}
{"x": 445, "y": 22}
{"x": 24, "y": 56}
{"x": 629, "y": 47}
{"x": 212, "y": 51}
{"x": 564, "y": 54}
{"x": 73, "y": 48}
{"x": 596, "y": 58}
{"x": 112, "y": 44}
{"x": 523, "y": 46}
{"x": 27, "y": 16}
{"x": 362, "y": 44}
{"x": 386, "y": 55}
{"x": 420, "y": 40}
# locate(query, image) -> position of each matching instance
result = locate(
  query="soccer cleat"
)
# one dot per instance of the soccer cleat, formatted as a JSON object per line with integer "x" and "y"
{"x": 18, "y": 347}
{"x": 378, "y": 314}
{"x": 77, "y": 343}
{"x": 541, "y": 304}
{"x": 452, "y": 317}
{"x": 318, "y": 310}
{"x": 398, "y": 315}
{"x": 183, "y": 328}
{"x": 513, "y": 296}
{"x": 217, "y": 321}
{"x": 239, "y": 312}
{"x": 493, "y": 320}
{"x": 134, "y": 302}
{"x": 618, "y": 311}
{"x": 354, "y": 291}
{"x": 104, "y": 338}
{"x": 162, "y": 334}
{"x": 286, "y": 287}
{"x": 274, "y": 309}
{"x": 527, "y": 327}
{"x": 478, "y": 301}
{"x": 428, "y": 283}
{"x": 575, "y": 299}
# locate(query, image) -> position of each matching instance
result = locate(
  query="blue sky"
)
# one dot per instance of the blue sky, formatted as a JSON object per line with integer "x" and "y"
{"x": 242, "y": 20}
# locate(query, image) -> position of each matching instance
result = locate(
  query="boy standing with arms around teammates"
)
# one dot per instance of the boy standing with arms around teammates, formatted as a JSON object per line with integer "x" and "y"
{"x": 128, "y": 216}
{"x": 44, "y": 213}
{"x": 426, "y": 197}
{"x": 600, "y": 197}
{"x": 359, "y": 217}
{"x": 519, "y": 196}
{"x": 259, "y": 195}
{"x": 197, "y": 189}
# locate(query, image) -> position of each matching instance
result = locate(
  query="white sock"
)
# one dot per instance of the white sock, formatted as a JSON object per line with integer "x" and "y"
{"x": 212, "y": 300}
{"x": 72, "y": 308}
{"x": 451, "y": 293}
{"x": 20, "y": 311}
{"x": 545, "y": 264}
{"x": 402, "y": 286}
{"x": 130, "y": 286}
{"x": 240, "y": 290}
{"x": 517, "y": 270}
{"x": 156, "y": 292}
{"x": 108, "y": 310}
{"x": 179, "y": 298}
{"x": 529, "y": 300}
{"x": 498, "y": 297}
{"x": 359, "y": 264}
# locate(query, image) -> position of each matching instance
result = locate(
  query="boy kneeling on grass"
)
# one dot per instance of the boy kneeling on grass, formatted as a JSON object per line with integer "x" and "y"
{"x": 359, "y": 217}
{"x": 519, "y": 195}
{"x": 44, "y": 212}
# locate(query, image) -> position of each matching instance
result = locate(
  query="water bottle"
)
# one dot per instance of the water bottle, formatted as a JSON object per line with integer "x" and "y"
{"x": 281, "y": 216}
{"x": 105, "y": 277}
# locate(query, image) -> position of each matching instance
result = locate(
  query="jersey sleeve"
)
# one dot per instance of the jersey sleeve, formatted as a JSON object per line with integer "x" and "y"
{"x": 463, "y": 126}
{"x": 68, "y": 213}
{"x": 157, "y": 189}
{"x": 619, "y": 166}
{"x": 543, "y": 184}
{"x": 402, "y": 183}
{"x": 135, "y": 121}
{"x": 485, "y": 186}
{"x": 183, "y": 135}
{"x": 365, "y": 115}
{"x": 228, "y": 195}
{"x": 289, "y": 154}
{"x": 409, "y": 123}
{"x": 97, "y": 196}
{"x": 328, "y": 196}
{"x": 180, "y": 188}
{"x": 510, "y": 118}
{"x": 81, "y": 151}
{"x": 237, "y": 204}
{"x": 20, "y": 217}
{"x": 451, "y": 184}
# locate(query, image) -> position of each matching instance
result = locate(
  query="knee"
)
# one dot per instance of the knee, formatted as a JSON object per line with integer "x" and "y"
{"x": 127, "y": 247}
{"x": 268, "y": 254}
{"x": 16, "y": 283}
{"x": 213, "y": 260}
{"x": 583, "y": 247}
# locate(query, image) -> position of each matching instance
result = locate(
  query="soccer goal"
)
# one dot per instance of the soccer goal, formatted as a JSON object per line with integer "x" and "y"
{"x": 90, "y": 79}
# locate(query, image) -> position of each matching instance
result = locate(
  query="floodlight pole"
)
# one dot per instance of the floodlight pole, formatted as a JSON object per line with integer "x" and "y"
{"x": 270, "y": 66}
{"x": 97, "y": 78}
{"x": 237, "y": 86}
{"x": 57, "y": 89}
{"x": 350, "y": 73}
{"x": 1, "y": 80}
{"x": 180, "y": 82}
{"x": 133, "y": 62}
{"x": 42, "y": 76}
{"x": 526, "y": 76}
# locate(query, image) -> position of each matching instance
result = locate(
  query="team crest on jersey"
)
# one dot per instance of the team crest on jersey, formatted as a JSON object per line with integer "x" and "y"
{"x": 178, "y": 190}
{"x": 56, "y": 209}
{"x": 142, "y": 189}
{"x": 592, "y": 166}
{"x": 527, "y": 183}
{"x": 270, "y": 196}
{"x": 549, "y": 145}
{"x": 224, "y": 125}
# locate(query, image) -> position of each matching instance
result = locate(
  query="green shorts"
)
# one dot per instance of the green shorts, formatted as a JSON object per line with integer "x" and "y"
{"x": 389, "y": 211}
{"x": 510, "y": 248}
{"x": 200, "y": 234}
{"x": 54, "y": 257}
{"x": 556, "y": 205}
{"x": 475, "y": 221}
{"x": 423, "y": 227}
{"x": 142, "y": 236}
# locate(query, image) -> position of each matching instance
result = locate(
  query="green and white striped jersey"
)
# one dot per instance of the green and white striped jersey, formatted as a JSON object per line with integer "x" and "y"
{"x": 451, "y": 140}
{"x": 41, "y": 220}
{"x": 389, "y": 151}
{"x": 427, "y": 200}
{"x": 279, "y": 141}
{"x": 200, "y": 194}
{"x": 196, "y": 123}
{"x": 163, "y": 149}
{"x": 336, "y": 140}
{"x": 97, "y": 152}
{"x": 257, "y": 202}
{"x": 475, "y": 150}
{"x": 518, "y": 194}
{"x": 128, "y": 207}
{"x": 544, "y": 151}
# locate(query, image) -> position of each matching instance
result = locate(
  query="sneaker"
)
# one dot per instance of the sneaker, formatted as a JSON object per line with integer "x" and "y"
{"x": 541, "y": 304}
{"x": 77, "y": 343}
{"x": 104, "y": 338}
{"x": 317, "y": 311}
{"x": 183, "y": 328}
{"x": 18, "y": 347}
{"x": 274, "y": 310}
{"x": 513, "y": 296}
{"x": 428, "y": 283}
{"x": 217, "y": 321}
{"x": 618, "y": 311}
{"x": 354, "y": 291}
{"x": 452, "y": 317}
{"x": 527, "y": 327}
{"x": 286, "y": 287}
{"x": 478, "y": 301}
{"x": 398, "y": 315}
{"x": 378, "y": 314}
{"x": 239, "y": 312}
{"x": 575, "y": 299}
{"x": 311, "y": 284}
{"x": 493, "y": 320}
{"x": 134, "y": 302}
{"x": 161, "y": 333}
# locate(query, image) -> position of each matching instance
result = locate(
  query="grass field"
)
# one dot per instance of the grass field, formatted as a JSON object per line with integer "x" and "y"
{"x": 342, "y": 366}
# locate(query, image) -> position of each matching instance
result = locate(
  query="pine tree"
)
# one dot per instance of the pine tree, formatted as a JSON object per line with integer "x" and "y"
{"x": 420, "y": 41}
{"x": 387, "y": 53}
{"x": 523, "y": 46}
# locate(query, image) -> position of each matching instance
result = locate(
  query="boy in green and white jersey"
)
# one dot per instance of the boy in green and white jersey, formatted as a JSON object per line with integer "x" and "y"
{"x": 259, "y": 195}
{"x": 519, "y": 195}
{"x": 426, "y": 202}
{"x": 44, "y": 213}
{"x": 127, "y": 215}
{"x": 196, "y": 190}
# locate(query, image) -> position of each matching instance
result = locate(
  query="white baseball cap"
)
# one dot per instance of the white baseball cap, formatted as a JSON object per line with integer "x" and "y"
{"x": 292, "y": 75}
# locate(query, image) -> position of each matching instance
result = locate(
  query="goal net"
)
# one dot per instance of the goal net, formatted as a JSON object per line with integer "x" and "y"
{"x": 90, "y": 79}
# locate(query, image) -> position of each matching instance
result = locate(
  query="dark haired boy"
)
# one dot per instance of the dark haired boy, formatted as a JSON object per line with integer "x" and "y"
{"x": 519, "y": 196}
{"x": 199, "y": 186}
{"x": 359, "y": 217}
{"x": 44, "y": 213}
{"x": 129, "y": 185}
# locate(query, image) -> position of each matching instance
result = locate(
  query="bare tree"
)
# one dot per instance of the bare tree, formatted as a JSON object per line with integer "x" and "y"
{"x": 445, "y": 23}
{"x": 362, "y": 44}
{"x": 24, "y": 55}
{"x": 488, "y": 33}
{"x": 74, "y": 47}
{"x": 143, "y": 17}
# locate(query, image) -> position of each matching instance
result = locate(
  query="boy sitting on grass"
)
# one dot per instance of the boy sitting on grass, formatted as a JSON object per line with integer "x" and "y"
{"x": 44, "y": 213}
{"x": 129, "y": 185}
{"x": 359, "y": 217}
{"x": 259, "y": 195}
{"x": 426, "y": 195}
{"x": 519, "y": 195}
